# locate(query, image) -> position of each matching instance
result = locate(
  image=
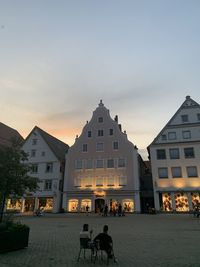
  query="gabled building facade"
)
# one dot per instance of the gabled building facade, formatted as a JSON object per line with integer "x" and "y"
{"x": 101, "y": 167}
{"x": 47, "y": 158}
{"x": 7, "y": 134}
{"x": 175, "y": 160}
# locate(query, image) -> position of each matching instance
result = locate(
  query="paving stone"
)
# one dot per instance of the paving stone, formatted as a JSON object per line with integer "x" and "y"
{"x": 163, "y": 240}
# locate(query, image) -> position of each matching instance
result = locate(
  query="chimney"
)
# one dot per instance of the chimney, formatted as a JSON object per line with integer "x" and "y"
{"x": 116, "y": 118}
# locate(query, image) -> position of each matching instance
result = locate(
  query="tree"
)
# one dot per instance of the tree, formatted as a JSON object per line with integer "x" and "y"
{"x": 14, "y": 178}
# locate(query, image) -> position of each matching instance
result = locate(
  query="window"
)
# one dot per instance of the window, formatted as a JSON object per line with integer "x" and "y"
{"x": 34, "y": 142}
{"x": 163, "y": 137}
{"x": 176, "y": 172}
{"x": 121, "y": 163}
{"x": 192, "y": 171}
{"x": 110, "y": 181}
{"x": 174, "y": 153}
{"x": 99, "y": 181}
{"x": 100, "y": 132}
{"x": 99, "y": 163}
{"x": 78, "y": 164}
{"x": 186, "y": 134}
{"x": 43, "y": 153}
{"x": 162, "y": 173}
{"x": 110, "y": 163}
{"x": 34, "y": 168}
{"x": 89, "y": 133}
{"x": 100, "y": 119}
{"x": 49, "y": 167}
{"x": 89, "y": 164}
{"x": 161, "y": 154}
{"x": 172, "y": 135}
{"x": 33, "y": 153}
{"x": 110, "y": 131}
{"x": 47, "y": 185}
{"x": 198, "y": 116}
{"x": 115, "y": 145}
{"x": 77, "y": 182}
{"x": 85, "y": 148}
{"x": 184, "y": 118}
{"x": 122, "y": 181}
{"x": 100, "y": 147}
{"x": 189, "y": 152}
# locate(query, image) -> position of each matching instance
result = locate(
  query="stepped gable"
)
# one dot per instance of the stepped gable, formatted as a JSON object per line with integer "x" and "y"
{"x": 7, "y": 134}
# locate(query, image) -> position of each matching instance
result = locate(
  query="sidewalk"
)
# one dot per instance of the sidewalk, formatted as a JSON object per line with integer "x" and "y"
{"x": 139, "y": 240}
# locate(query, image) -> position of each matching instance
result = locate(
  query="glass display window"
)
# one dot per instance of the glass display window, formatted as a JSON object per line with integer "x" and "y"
{"x": 166, "y": 202}
{"x": 128, "y": 205}
{"x": 73, "y": 205}
{"x": 86, "y": 203}
{"x": 181, "y": 201}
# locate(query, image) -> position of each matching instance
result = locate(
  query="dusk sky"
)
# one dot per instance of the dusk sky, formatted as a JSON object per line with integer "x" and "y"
{"x": 59, "y": 58}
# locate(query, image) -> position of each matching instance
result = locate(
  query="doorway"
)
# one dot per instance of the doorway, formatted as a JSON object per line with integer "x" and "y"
{"x": 99, "y": 204}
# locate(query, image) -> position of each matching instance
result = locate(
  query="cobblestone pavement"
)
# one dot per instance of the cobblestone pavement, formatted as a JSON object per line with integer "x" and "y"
{"x": 139, "y": 241}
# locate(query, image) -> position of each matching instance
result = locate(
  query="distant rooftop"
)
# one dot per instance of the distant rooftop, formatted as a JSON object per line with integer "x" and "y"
{"x": 7, "y": 134}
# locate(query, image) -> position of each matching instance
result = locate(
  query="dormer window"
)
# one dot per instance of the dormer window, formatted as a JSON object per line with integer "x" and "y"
{"x": 100, "y": 119}
{"x": 184, "y": 118}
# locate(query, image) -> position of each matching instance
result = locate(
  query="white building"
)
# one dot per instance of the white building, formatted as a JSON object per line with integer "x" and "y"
{"x": 101, "y": 167}
{"x": 47, "y": 157}
{"x": 175, "y": 158}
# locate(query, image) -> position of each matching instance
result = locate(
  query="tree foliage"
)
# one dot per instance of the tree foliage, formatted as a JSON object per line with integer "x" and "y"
{"x": 14, "y": 169}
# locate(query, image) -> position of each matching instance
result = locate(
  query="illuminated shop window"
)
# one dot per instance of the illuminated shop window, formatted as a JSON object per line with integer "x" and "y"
{"x": 195, "y": 199}
{"x": 166, "y": 202}
{"x": 85, "y": 203}
{"x": 14, "y": 204}
{"x": 46, "y": 203}
{"x": 73, "y": 205}
{"x": 128, "y": 205}
{"x": 181, "y": 201}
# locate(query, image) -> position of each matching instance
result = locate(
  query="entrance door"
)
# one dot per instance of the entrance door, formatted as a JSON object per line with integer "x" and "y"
{"x": 99, "y": 204}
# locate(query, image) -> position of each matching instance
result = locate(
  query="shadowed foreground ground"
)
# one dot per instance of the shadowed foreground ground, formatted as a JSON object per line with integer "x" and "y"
{"x": 139, "y": 241}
